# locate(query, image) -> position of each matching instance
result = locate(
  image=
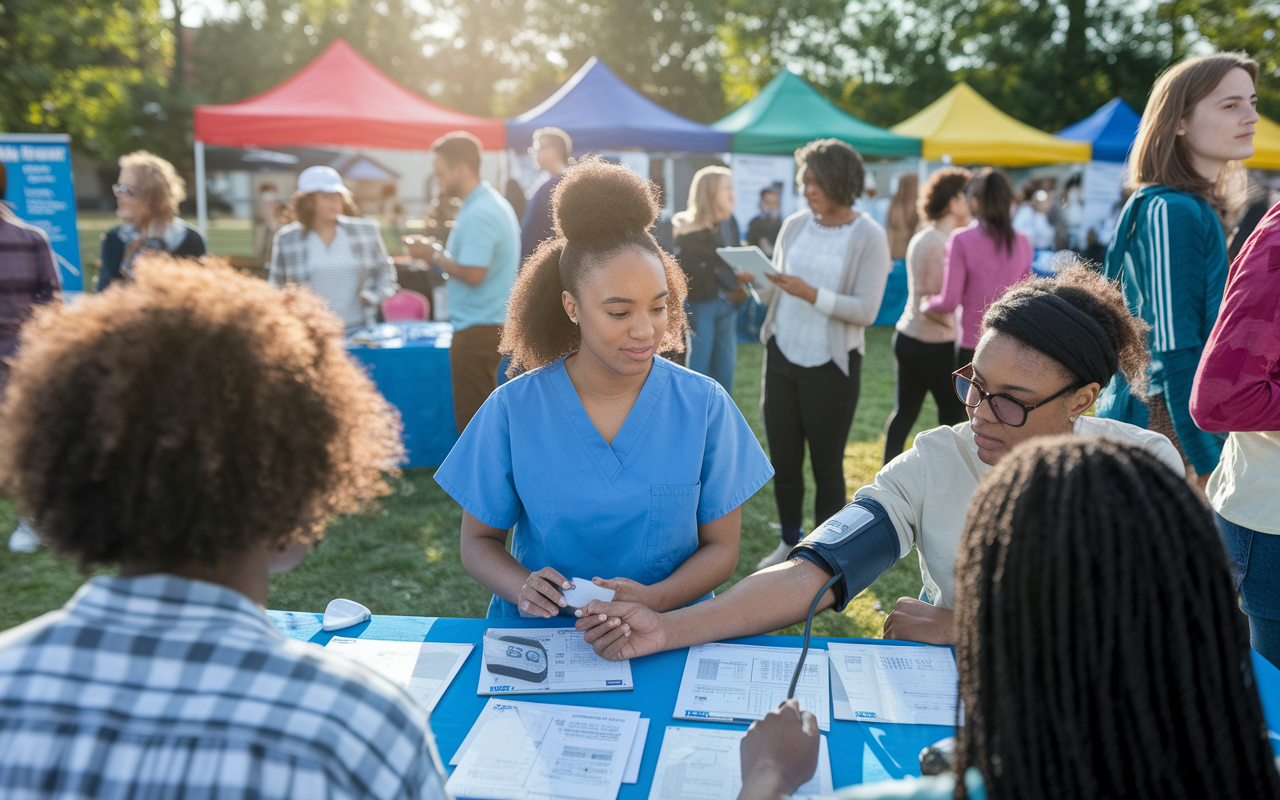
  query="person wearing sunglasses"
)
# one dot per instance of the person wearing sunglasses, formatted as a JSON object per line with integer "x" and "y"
{"x": 1047, "y": 348}
{"x": 147, "y": 196}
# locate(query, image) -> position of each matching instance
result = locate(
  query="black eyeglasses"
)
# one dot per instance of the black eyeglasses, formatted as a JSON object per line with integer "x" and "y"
{"x": 120, "y": 188}
{"x": 1008, "y": 410}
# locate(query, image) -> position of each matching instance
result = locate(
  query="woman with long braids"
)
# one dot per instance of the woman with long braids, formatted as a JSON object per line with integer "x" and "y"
{"x": 1139, "y": 687}
{"x": 1048, "y": 347}
{"x": 1169, "y": 252}
{"x": 610, "y": 463}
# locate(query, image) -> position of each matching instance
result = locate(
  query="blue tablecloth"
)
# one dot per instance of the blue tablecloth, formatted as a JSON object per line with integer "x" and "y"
{"x": 860, "y": 752}
{"x": 409, "y": 361}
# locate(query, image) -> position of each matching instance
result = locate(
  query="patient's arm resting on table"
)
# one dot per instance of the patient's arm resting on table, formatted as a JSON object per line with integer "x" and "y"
{"x": 859, "y": 543}
{"x": 914, "y": 620}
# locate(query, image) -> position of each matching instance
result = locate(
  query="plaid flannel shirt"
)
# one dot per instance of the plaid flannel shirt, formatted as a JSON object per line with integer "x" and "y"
{"x": 377, "y": 270}
{"x": 164, "y": 687}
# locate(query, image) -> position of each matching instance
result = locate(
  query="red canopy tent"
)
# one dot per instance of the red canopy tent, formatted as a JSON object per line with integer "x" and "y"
{"x": 338, "y": 99}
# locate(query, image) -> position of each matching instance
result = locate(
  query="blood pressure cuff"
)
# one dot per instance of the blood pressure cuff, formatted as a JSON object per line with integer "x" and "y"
{"x": 859, "y": 544}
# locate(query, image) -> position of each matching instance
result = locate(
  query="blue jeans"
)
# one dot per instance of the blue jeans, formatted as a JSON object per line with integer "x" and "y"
{"x": 1255, "y": 567}
{"x": 714, "y": 348}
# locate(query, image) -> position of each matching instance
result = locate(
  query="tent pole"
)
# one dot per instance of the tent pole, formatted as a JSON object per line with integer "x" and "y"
{"x": 202, "y": 201}
{"x": 922, "y": 171}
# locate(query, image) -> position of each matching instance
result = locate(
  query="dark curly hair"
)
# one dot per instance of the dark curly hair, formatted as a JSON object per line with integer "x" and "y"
{"x": 1017, "y": 314}
{"x": 1101, "y": 650}
{"x": 835, "y": 166}
{"x": 600, "y": 209}
{"x": 190, "y": 413}
{"x": 940, "y": 189}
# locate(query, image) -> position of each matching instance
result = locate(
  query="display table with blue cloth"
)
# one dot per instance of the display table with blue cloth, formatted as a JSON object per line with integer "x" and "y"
{"x": 861, "y": 752}
{"x": 409, "y": 362}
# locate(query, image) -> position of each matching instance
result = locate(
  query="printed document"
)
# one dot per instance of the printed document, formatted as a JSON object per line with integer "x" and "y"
{"x": 531, "y": 751}
{"x": 742, "y": 683}
{"x": 630, "y": 775}
{"x": 705, "y": 764}
{"x": 423, "y": 669}
{"x": 546, "y": 661}
{"x": 886, "y": 683}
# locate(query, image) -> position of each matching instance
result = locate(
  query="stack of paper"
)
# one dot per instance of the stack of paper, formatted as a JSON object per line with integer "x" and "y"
{"x": 423, "y": 669}
{"x": 546, "y": 660}
{"x": 888, "y": 683}
{"x": 523, "y": 751}
{"x": 705, "y": 763}
{"x": 742, "y": 683}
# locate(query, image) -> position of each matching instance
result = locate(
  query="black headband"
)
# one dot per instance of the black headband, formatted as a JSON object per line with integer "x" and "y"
{"x": 1052, "y": 325}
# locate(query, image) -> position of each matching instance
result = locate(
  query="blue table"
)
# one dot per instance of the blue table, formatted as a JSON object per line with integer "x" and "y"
{"x": 860, "y": 752}
{"x": 409, "y": 362}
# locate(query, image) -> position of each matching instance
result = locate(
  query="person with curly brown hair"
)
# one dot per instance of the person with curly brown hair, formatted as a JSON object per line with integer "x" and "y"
{"x": 611, "y": 463}
{"x": 194, "y": 428}
{"x": 832, "y": 263}
{"x": 1047, "y": 349}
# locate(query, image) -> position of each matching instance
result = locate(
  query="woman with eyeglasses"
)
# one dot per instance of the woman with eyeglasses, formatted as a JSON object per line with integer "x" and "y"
{"x": 147, "y": 196}
{"x": 1047, "y": 348}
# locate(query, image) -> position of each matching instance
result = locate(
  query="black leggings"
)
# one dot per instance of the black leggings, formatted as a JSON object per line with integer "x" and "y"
{"x": 922, "y": 368}
{"x": 814, "y": 404}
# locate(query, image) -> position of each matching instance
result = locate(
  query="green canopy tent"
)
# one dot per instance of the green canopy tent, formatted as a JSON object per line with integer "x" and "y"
{"x": 789, "y": 113}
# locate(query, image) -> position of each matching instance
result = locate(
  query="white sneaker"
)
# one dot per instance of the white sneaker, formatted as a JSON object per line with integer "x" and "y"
{"x": 776, "y": 557}
{"x": 23, "y": 539}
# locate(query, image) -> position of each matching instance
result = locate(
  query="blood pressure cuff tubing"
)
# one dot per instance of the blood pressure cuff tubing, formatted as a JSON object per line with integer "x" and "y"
{"x": 859, "y": 544}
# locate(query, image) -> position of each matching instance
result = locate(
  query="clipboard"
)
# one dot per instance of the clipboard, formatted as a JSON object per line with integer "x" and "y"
{"x": 748, "y": 259}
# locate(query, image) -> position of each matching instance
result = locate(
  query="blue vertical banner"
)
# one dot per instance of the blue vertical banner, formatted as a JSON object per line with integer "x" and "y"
{"x": 41, "y": 193}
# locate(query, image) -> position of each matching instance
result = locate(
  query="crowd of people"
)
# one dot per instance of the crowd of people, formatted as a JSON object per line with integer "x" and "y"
{"x": 1100, "y": 491}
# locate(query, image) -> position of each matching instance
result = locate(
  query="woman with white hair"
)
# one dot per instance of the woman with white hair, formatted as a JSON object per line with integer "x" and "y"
{"x": 147, "y": 196}
{"x": 339, "y": 256}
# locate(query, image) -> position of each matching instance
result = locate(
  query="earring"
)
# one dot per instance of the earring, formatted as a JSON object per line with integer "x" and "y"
{"x": 574, "y": 320}
{"x": 1073, "y": 419}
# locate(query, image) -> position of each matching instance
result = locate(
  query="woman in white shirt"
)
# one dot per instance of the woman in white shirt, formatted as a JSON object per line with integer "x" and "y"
{"x": 341, "y": 258}
{"x": 832, "y": 265}
{"x": 1047, "y": 348}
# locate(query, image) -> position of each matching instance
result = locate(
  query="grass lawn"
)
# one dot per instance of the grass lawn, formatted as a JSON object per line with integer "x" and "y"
{"x": 402, "y": 556}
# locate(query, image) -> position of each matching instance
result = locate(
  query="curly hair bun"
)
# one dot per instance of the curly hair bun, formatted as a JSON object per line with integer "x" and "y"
{"x": 601, "y": 201}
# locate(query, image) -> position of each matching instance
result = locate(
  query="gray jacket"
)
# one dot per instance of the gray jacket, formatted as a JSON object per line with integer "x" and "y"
{"x": 377, "y": 271}
{"x": 857, "y": 299}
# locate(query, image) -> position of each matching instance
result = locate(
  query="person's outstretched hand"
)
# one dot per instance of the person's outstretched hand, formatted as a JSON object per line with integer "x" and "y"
{"x": 779, "y": 753}
{"x": 914, "y": 620}
{"x": 619, "y": 631}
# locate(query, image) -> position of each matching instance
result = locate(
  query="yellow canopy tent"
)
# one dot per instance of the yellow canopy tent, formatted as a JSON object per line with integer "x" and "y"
{"x": 1266, "y": 146}
{"x": 963, "y": 125}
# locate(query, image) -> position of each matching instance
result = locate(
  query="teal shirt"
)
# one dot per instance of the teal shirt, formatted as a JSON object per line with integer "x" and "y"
{"x": 487, "y": 234}
{"x": 939, "y": 787}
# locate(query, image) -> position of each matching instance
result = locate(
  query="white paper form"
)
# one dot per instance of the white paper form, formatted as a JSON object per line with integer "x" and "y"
{"x": 423, "y": 669}
{"x": 531, "y": 751}
{"x": 705, "y": 764}
{"x": 742, "y": 683}
{"x": 630, "y": 775}
{"x": 570, "y": 663}
{"x": 886, "y": 683}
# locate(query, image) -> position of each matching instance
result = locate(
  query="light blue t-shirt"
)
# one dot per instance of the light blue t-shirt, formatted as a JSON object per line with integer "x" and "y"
{"x": 533, "y": 460}
{"x": 487, "y": 234}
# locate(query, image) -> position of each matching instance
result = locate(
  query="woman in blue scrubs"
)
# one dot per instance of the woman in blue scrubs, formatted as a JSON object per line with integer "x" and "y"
{"x": 608, "y": 462}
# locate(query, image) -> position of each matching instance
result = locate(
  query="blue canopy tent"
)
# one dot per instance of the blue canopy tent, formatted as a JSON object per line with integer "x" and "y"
{"x": 600, "y": 111}
{"x": 1111, "y": 129}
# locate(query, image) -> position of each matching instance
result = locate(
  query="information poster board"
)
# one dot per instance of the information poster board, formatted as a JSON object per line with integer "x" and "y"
{"x": 40, "y": 192}
{"x": 752, "y": 173}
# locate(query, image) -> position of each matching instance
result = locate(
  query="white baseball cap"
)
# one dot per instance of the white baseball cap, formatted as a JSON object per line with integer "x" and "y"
{"x": 321, "y": 179}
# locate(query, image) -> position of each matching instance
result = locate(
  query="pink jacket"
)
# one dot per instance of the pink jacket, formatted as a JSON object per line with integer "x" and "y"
{"x": 1237, "y": 386}
{"x": 979, "y": 271}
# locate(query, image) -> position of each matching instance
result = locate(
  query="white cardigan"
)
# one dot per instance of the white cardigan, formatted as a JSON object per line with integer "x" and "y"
{"x": 855, "y": 305}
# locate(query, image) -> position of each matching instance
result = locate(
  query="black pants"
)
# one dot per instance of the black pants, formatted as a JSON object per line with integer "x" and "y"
{"x": 921, "y": 368}
{"x": 813, "y": 404}
{"x": 964, "y": 356}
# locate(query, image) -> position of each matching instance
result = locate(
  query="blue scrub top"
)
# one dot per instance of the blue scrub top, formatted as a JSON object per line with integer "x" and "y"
{"x": 531, "y": 458}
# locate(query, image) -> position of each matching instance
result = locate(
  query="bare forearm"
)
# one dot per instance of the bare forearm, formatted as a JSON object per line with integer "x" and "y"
{"x": 760, "y": 603}
{"x": 710, "y": 565}
{"x": 472, "y": 276}
{"x": 488, "y": 562}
